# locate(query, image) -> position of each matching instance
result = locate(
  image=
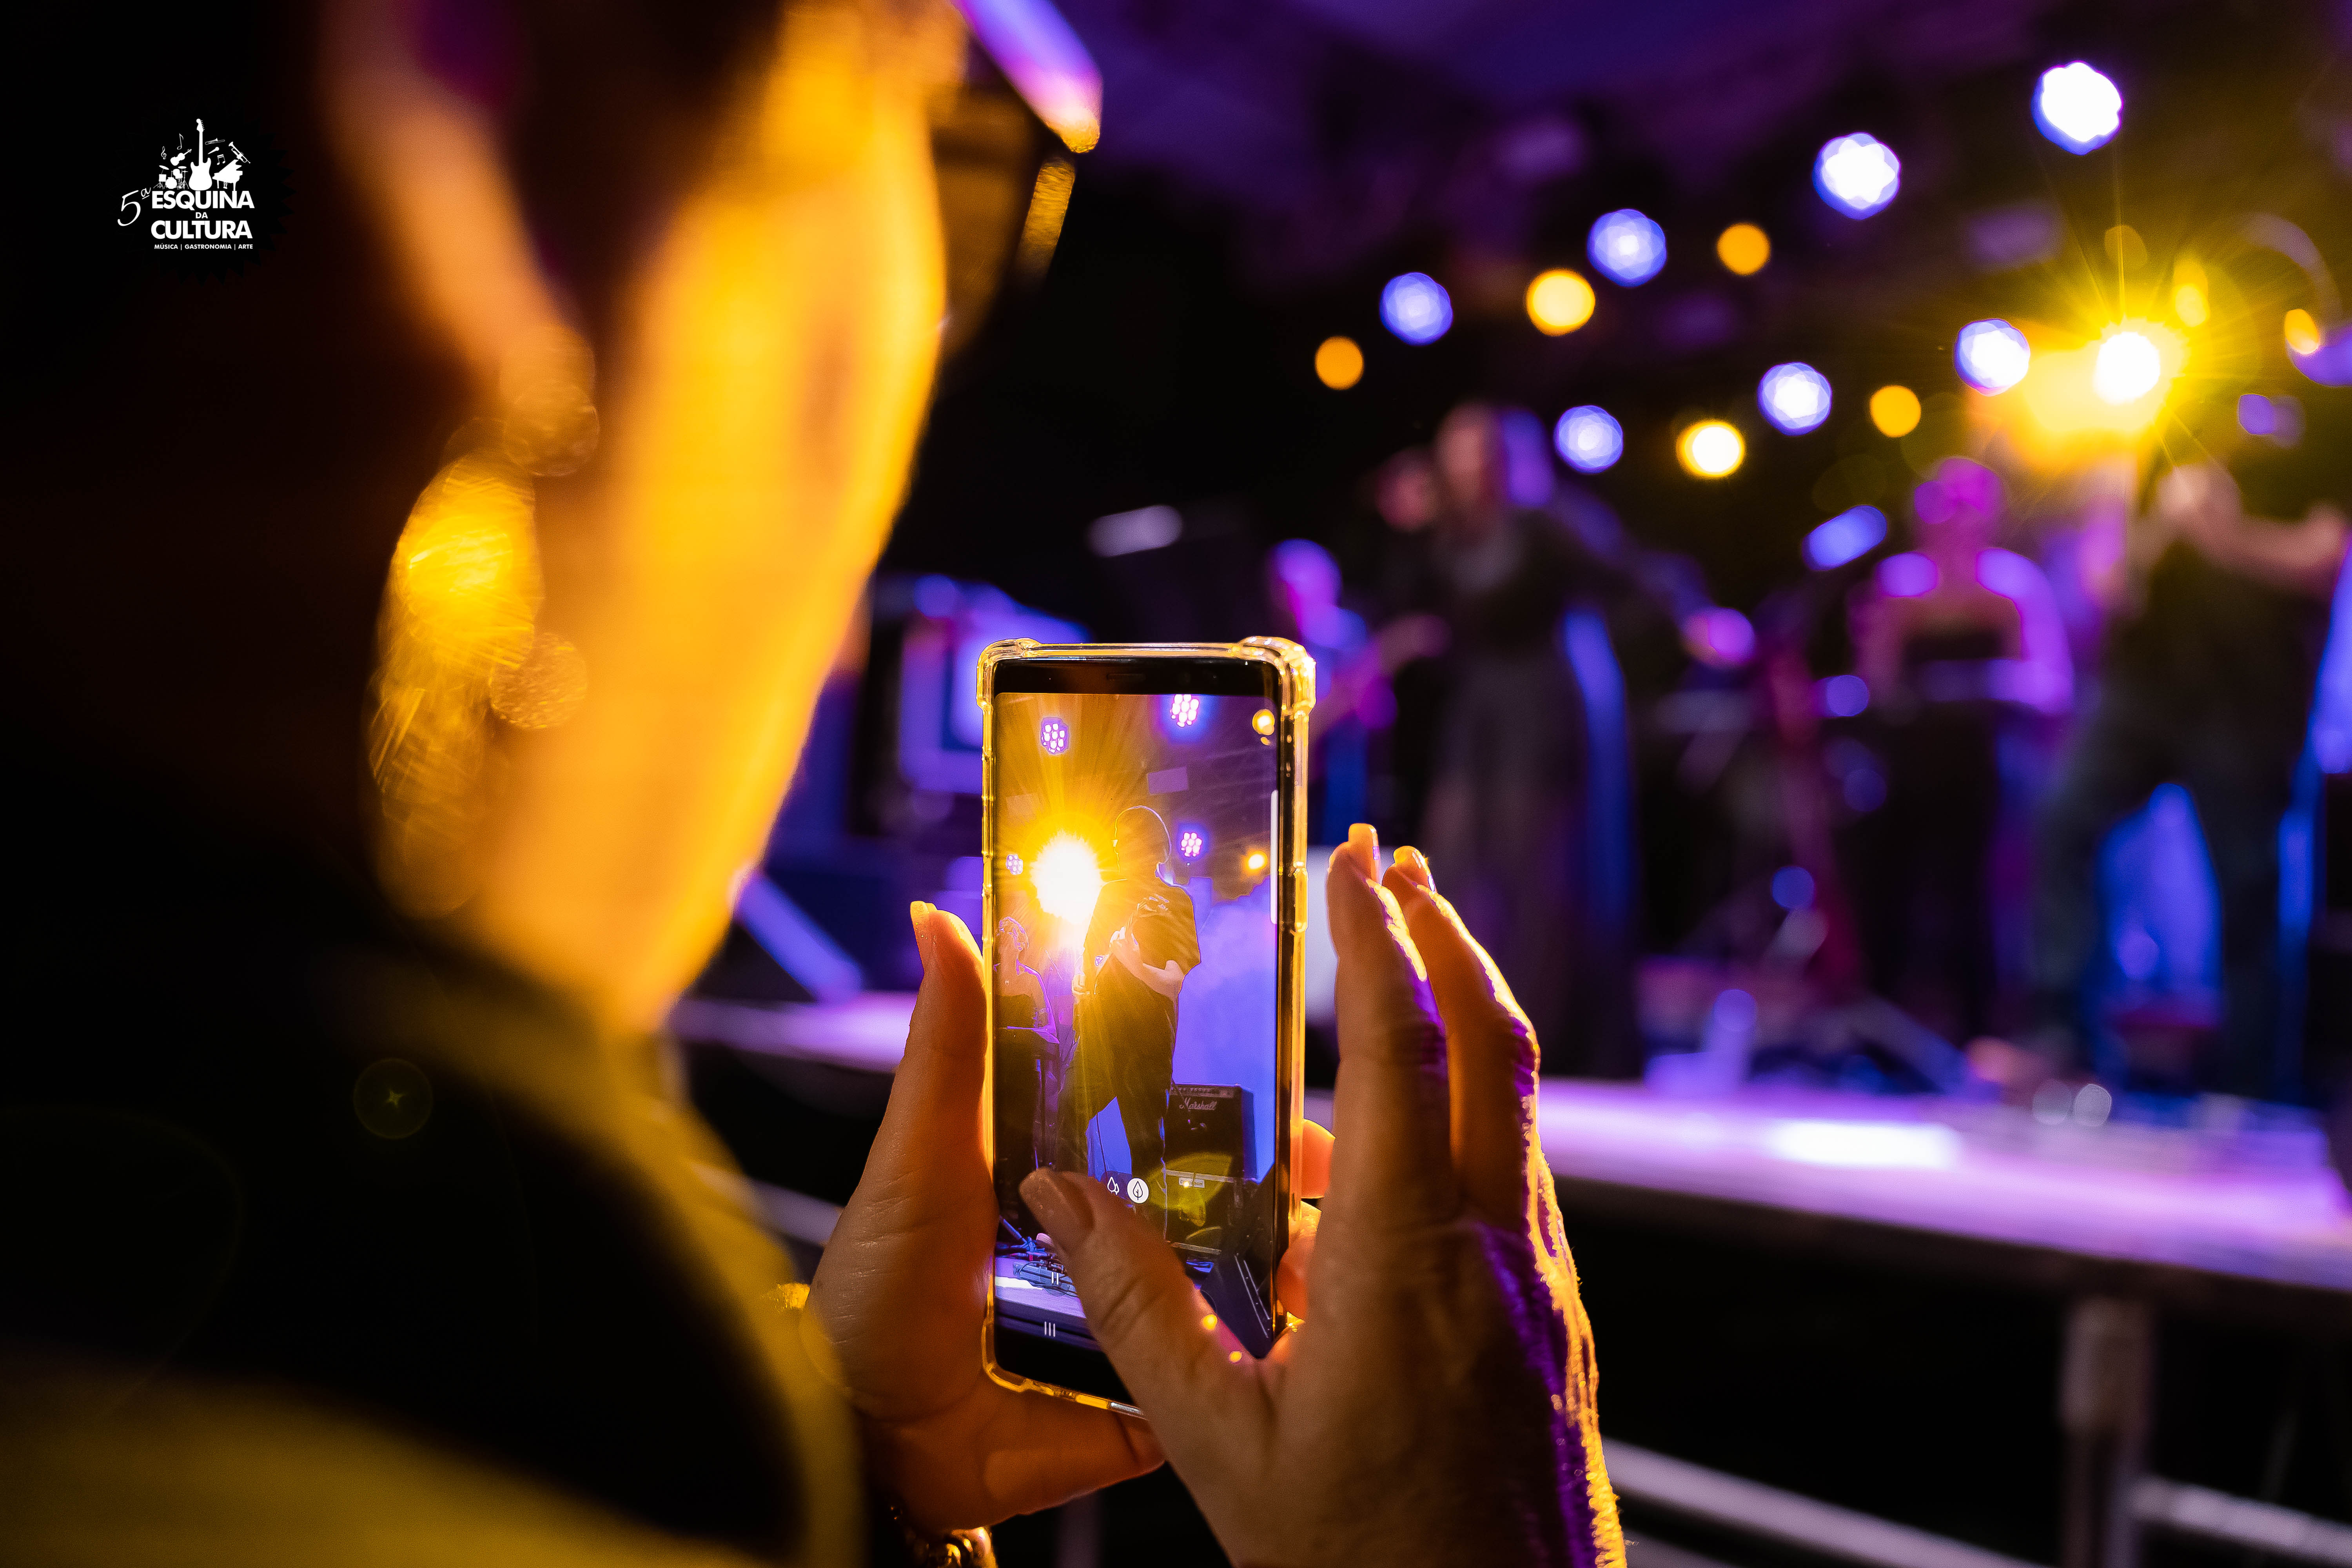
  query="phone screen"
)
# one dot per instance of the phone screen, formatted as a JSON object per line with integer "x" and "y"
{"x": 1135, "y": 863}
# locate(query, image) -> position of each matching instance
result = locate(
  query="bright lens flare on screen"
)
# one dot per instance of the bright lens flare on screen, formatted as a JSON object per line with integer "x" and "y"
{"x": 1710, "y": 448}
{"x": 1069, "y": 879}
{"x": 2128, "y": 369}
{"x": 1559, "y": 302}
{"x": 2302, "y": 333}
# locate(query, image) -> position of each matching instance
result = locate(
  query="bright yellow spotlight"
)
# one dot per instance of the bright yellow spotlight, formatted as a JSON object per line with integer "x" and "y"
{"x": 2189, "y": 304}
{"x": 1069, "y": 879}
{"x": 1710, "y": 448}
{"x": 1263, "y": 722}
{"x": 1253, "y": 861}
{"x": 2302, "y": 333}
{"x": 1338, "y": 363}
{"x": 2127, "y": 368}
{"x": 1744, "y": 248}
{"x": 1560, "y": 302}
{"x": 1895, "y": 410}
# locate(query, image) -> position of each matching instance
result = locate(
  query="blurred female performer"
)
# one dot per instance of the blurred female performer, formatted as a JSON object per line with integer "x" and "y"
{"x": 1026, "y": 1054}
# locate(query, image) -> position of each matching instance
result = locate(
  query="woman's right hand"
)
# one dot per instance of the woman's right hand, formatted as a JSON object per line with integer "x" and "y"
{"x": 1439, "y": 1405}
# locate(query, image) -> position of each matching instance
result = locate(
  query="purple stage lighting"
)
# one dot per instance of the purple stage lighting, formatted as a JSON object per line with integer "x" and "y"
{"x": 1857, "y": 174}
{"x": 1054, "y": 735}
{"x": 1848, "y": 536}
{"x": 1191, "y": 840}
{"x": 1795, "y": 397}
{"x": 1908, "y": 575}
{"x": 1627, "y": 247}
{"x": 1840, "y": 696}
{"x": 1993, "y": 356}
{"x": 2077, "y": 108}
{"x": 1416, "y": 308}
{"x": 1588, "y": 439}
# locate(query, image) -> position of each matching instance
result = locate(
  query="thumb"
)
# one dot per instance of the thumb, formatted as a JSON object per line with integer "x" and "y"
{"x": 1184, "y": 1368}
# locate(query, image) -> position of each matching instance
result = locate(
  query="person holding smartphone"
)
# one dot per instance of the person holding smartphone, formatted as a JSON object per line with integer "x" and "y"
{"x": 362, "y": 1221}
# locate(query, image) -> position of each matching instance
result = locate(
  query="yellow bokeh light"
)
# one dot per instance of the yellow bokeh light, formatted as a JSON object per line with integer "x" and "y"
{"x": 1069, "y": 879}
{"x": 1338, "y": 363}
{"x": 1744, "y": 248}
{"x": 1895, "y": 410}
{"x": 1560, "y": 302}
{"x": 2115, "y": 386}
{"x": 1710, "y": 448}
{"x": 2302, "y": 333}
{"x": 1254, "y": 860}
{"x": 2127, "y": 369}
{"x": 2189, "y": 304}
{"x": 1263, "y": 721}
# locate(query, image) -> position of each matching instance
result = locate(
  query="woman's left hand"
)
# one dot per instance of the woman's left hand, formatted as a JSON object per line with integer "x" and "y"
{"x": 900, "y": 1294}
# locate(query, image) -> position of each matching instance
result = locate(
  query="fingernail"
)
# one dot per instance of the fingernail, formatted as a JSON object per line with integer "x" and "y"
{"x": 1367, "y": 839}
{"x": 1416, "y": 866}
{"x": 1057, "y": 1208}
{"x": 919, "y": 915}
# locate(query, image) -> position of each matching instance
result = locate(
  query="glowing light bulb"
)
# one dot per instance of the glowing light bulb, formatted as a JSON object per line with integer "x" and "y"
{"x": 1744, "y": 248}
{"x": 2077, "y": 108}
{"x": 1068, "y": 878}
{"x": 2302, "y": 333}
{"x": 1338, "y": 363}
{"x": 1588, "y": 439}
{"x": 1627, "y": 247}
{"x": 1189, "y": 843}
{"x": 2128, "y": 369}
{"x": 1795, "y": 397}
{"x": 1857, "y": 174}
{"x": 1184, "y": 711}
{"x": 1254, "y": 860}
{"x": 1993, "y": 356}
{"x": 1710, "y": 449}
{"x": 1895, "y": 410}
{"x": 1560, "y": 302}
{"x": 1054, "y": 735}
{"x": 1416, "y": 308}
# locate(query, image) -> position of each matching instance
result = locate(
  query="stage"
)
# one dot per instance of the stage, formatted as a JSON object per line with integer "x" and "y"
{"x": 2121, "y": 1220}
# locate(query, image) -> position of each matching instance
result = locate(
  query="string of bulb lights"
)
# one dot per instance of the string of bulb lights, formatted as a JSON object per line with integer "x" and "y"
{"x": 2076, "y": 106}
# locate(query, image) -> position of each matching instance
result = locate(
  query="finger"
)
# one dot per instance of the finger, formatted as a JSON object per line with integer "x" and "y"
{"x": 1494, "y": 1049}
{"x": 1313, "y": 1169}
{"x": 1396, "y": 1164}
{"x": 1291, "y": 1275}
{"x": 933, "y": 1119}
{"x": 1043, "y": 1451}
{"x": 1177, "y": 1360}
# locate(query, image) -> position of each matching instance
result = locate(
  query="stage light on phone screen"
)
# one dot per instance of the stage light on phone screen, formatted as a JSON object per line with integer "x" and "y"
{"x": 1054, "y": 735}
{"x": 1263, "y": 721}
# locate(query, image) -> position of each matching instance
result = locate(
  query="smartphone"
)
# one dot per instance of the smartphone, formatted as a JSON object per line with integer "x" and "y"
{"x": 1145, "y": 903}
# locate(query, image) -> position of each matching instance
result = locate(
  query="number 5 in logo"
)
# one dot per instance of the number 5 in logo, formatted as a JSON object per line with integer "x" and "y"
{"x": 132, "y": 205}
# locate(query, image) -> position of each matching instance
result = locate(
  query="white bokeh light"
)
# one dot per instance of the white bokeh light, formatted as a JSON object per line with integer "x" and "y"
{"x": 1588, "y": 439}
{"x": 1416, "y": 308}
{"x": 1795, "y": 397}
{"x": 2127, "y": 368}
{"x": 1993, "y": 356}
{"x": 1627, "y": 247}
{"x": 2077, "y": 108}
{"x": 1857, "y": 174}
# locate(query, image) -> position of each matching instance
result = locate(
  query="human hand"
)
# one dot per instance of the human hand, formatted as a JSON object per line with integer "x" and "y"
{"x": 901, "y": 1291}
{"x": 1439, "y": 1405}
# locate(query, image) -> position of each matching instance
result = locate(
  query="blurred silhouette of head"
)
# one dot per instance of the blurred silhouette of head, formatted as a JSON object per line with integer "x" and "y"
{"x": 1405, "y": 491}
{"x": 1960, "y": 508}
{"x": 1472, "y": 469}
{"x": 1139, "y": 842}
